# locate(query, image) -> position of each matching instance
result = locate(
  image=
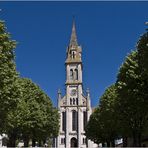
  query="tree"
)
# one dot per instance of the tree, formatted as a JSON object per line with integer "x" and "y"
{"x": 24, "y": 109}
{"x": 8, "y": 90}
{"x": 131, "y": 103}
{"x": 34, "y": 117}
{"x": 93, "y": 127}
{"x": 109, "y": 117}
{"x": 103, "y": 124}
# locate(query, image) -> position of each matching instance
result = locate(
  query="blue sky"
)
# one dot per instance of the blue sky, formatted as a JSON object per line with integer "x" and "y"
{"x": 107, "y": 31}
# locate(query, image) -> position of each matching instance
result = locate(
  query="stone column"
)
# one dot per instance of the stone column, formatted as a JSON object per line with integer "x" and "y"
{"x": 61, "y": 120}
{"x": 67, "y": 129}
{"x": 80, "y": 94}
{"x": 90, "y": 144}
{"x": 80, "y": 72}
{"x": 56, "y": 144}
{"x": 68, "y": 95}
{"x": 57, "y": 141}
{"x": 79, "y": 127}
{"x": 60, "y": 130}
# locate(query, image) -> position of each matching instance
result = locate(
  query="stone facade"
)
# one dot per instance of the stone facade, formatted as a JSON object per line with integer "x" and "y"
{"x": 74, "y": 107}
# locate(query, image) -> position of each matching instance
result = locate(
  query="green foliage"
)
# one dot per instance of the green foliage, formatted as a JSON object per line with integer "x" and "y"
{"x": 123, "y": 107}
{"x": 142, "y": 47}
{"x": 34, "y": 116}
{"x": 25, "y": 110}
{"x": 108, "y": 113}
{"x": 93, "y": 127}
{"x": 8, "y": 90}
{"x": 132, "y": 102}
{"x": 102, "y": 126}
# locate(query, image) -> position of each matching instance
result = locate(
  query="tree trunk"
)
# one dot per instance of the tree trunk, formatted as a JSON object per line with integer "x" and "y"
{"x": 40, "y": 143}
{"x": 12, "y": 140}
{"x": 135, "y": 139}
{"x": 33, "y": 142}
{"x": 108, "y": 144}
{"x": 113, "y": 143}
{"x": 124, "y": 141}
{"x": 103, "y": 144}
{"x": 26, "y": 141}
{"x": 139, "y": 140}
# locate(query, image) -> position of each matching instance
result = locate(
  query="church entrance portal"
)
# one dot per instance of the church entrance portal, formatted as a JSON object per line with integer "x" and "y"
{"x": 74, "y": 143}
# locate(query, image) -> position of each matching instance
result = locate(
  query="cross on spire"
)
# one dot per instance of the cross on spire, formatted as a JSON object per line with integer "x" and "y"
{"x": 73, "y": 39}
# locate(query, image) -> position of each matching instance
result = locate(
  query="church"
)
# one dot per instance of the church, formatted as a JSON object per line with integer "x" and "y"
{"x": 74, "y": 107}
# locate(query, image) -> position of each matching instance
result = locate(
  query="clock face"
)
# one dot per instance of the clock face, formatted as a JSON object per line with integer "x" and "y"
{"x": 73, "y": 92}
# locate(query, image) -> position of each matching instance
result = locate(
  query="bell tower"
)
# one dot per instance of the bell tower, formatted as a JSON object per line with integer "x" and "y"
{"x": 73, "y": 65}
{"x": 74, "y": 107}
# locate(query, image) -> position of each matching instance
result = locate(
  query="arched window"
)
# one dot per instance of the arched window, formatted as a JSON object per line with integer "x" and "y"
{"x": 71, "y": 74}
{"x": 73, "y": 142}
{"x": 70, "y": 53}
{"x": 76, "y": 74}
{"x": 73, "y": 54}
{"x": 64, "y": 121}
{"x": 83, "y": 140}
{"x": 84, "y": 119}
{"x": 77, "y": 101}
{"x": 73, "y": 101}
{"x": 74, "y": 120}
{"x": 83, "y": 102}
{"x": 70, "y": 101}
{"x": 62, "y": 140}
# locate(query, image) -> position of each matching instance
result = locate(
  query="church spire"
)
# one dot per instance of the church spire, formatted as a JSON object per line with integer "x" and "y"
{"x": 73, "y": 50}
{"x": 73, "y": 40}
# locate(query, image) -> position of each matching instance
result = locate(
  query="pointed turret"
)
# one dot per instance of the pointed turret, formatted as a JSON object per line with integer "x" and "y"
{"x": 73, "y": 39}
{"x": 88, "y": 99}
{"x": 59, "y": 98}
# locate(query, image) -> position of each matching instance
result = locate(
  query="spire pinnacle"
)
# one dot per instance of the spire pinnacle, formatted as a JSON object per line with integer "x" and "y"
{"x": 73, "y": 40}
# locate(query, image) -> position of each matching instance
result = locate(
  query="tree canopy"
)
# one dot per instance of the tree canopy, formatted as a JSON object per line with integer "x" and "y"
{"x": 34, "y": 117}
{"x": 102, "y": 126}
{"x": 126, "y": 102}
{"x": 132, "y": 103}
{"x": 8, "y": 75}
{"x": 26, "y": 111}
